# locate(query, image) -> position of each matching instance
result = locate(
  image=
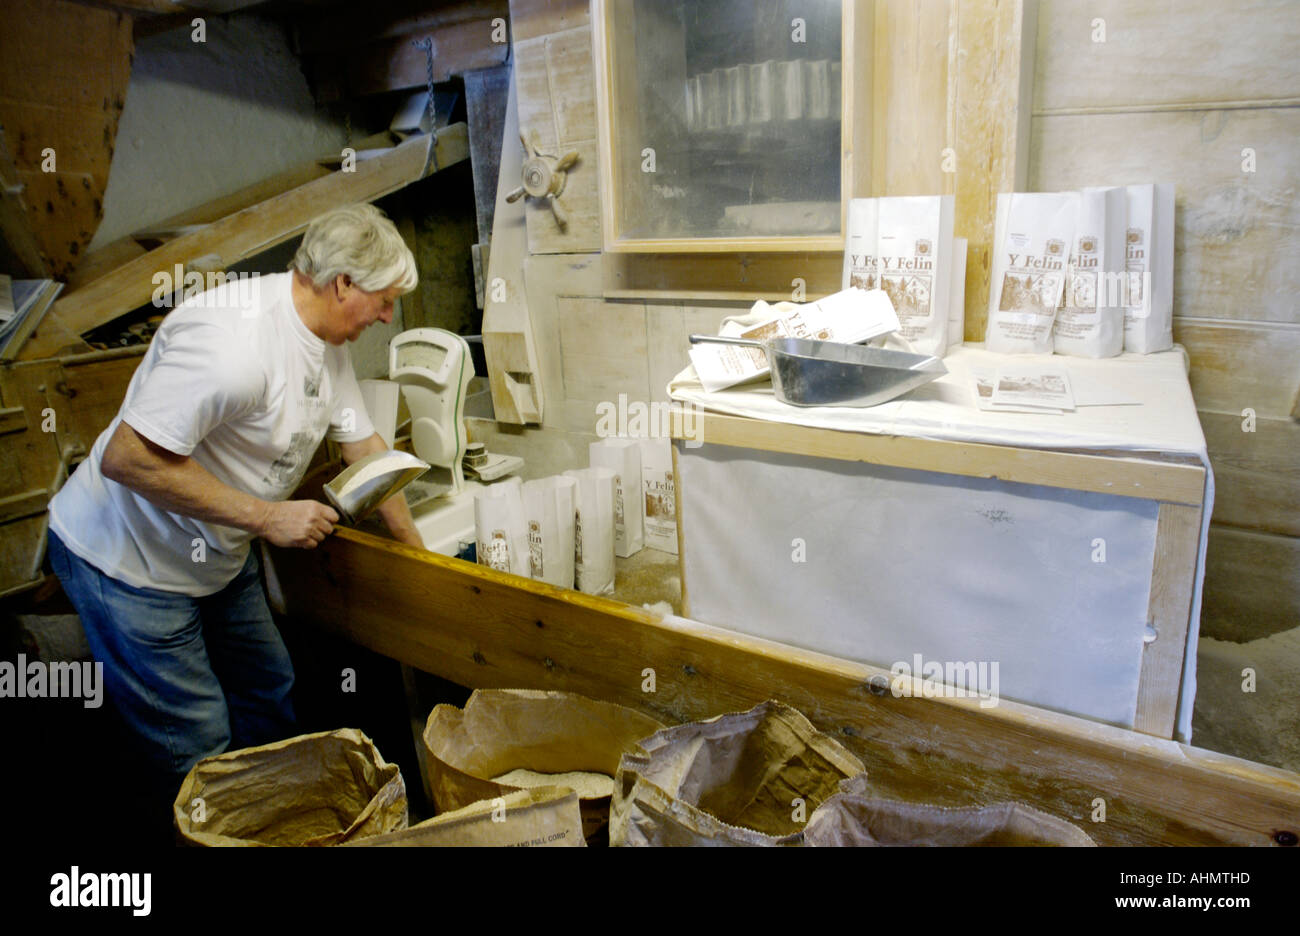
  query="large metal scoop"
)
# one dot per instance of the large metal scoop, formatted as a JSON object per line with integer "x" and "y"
{"x": 368, "y": 482}
{"x": 831, "y": 373}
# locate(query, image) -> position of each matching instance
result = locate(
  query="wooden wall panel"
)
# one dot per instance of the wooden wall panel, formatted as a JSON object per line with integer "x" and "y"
{"x": 1256, "y": 474}
{"x": 532, "y": 18}
{"x": 1194, "y": 51}
{"x": 1238, "y": 233}
{"x": 1204, "y": 95}
{"x": 603, "y": 346}
{"x": 909, "y": 81}
{"x": 557, "y": 94}
{"x": 988, "y": 115}
{"x": 669, "y": 326}
{"x": 45, "y": 104}
{"x": 1242, "y": 364}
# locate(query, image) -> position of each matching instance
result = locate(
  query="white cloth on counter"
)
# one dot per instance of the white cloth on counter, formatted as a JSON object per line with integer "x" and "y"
{"x": 945, "y": 408}
{"x": 1165, "y": 422}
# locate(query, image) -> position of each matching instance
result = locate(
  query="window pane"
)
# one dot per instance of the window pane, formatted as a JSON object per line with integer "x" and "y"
{"x": 727, "y": 117}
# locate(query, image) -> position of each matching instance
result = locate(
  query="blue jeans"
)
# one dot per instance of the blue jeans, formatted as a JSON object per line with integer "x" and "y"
{"x": 191, "y": 677}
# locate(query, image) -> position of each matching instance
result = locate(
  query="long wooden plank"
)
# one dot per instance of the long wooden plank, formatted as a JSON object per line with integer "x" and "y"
{"x": 1126, "y": 477}
{"x": 485, "y": 629}
{"x": 1145, "y": 54}
{"x": 1173, "y": 579}
{"x": 251, "y": 231}
{"x": 910, "y": 81}
{"x": 397, "y": 64}
{"x": 991, "y": 126}
{"x": 110, "y": 256}
{"x": 337, "y": 28}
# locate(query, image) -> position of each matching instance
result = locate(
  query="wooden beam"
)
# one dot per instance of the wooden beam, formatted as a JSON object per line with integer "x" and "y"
{"x": 1147, "y": 479}
{"x": 248, "y": 232}
{"x": 1173, "y": 581}
{"x": 990, "y": 101}
{"x": 110, "y": 256}
{"x": 508, "y": 337}
{"x": 331, "y": 30}
{"x": 395, "y": 64}
{"x": 485, "y": 629}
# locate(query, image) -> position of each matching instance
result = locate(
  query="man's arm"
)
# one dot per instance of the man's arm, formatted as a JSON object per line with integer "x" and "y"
{"x": 180, "y": 484}
{"x": 394, "y": 510}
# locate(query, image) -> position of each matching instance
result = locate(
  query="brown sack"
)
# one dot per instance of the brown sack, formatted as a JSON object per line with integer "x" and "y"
{"x": 732, "y": 780}
{"x": 315, "y": 789}
{"x": 853, "y": 817}
{"x": 540, "y": 817}
{"x": 500, "y": 730}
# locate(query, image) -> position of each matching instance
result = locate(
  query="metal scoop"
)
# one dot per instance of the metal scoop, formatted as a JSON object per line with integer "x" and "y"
{"x": 831, "y": 373}
{"x": 368, "y": 482}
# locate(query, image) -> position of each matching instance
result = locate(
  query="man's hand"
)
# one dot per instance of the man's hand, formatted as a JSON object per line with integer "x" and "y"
{"x": 303, "y": 523}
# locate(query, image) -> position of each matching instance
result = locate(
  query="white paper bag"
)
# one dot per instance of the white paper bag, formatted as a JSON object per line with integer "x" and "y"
{"x": 860, "y": 266}
{"x": 380, "y": 397}
{"x": 1149, "y": 315}
{"x": 659, "y": 492}
{"x": 623, "y": 457}
{"x": 593, "y": 532}
{"x": 1031, "y": 242}
{"x": 957, "y": 295}
{"x": 1090, "y": 320}
{"x": 549, "y": 518}
{"x": 500, "y": 530}
{"x": 914, "y": 248}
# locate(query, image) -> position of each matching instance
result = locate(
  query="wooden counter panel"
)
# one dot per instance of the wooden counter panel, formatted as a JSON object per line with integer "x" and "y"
{"x": 484, "y": 629}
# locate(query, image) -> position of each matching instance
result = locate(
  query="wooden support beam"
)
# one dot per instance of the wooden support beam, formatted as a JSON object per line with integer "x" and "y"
{"x": 1173, "y": 582}
{"x": 396, "y": 64}
{"x": 1166, "y": 482}
{"x": 342, "y": 28}
{"x": 509, "y": 343}
{"x": 245, "y": 233}
{"x": 989, "y": 106}
{"x": 485, "y": 629}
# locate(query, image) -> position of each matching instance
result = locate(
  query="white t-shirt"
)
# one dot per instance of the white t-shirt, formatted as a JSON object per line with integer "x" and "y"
{"x": 235, "y": 380}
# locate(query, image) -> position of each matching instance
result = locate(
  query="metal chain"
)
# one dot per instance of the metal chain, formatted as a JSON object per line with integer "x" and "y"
{"x": 427, "y": 45}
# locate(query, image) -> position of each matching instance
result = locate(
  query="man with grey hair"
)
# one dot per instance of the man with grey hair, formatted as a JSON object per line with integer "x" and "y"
{"x": 151, "y": 535}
